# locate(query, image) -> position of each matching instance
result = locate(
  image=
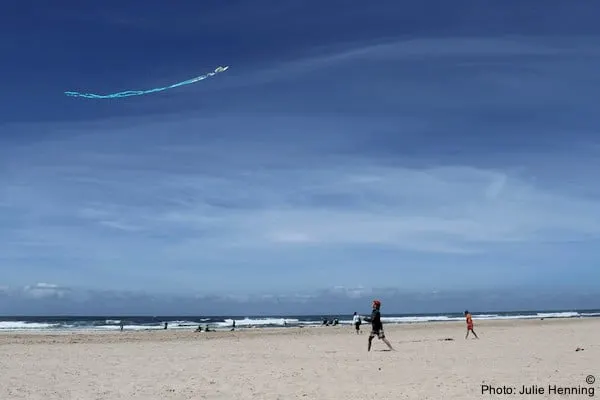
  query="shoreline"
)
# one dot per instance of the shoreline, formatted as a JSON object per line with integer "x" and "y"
{"x": 180, "y": 334}
{"x": 87, "y": 324}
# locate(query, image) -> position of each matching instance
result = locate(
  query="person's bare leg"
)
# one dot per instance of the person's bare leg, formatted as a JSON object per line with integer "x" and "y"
{"x": 476, "y": 337}
{"x": 467, "y": 335}
{"x": 388, "y": 343}
{"x": 370, "y": 342}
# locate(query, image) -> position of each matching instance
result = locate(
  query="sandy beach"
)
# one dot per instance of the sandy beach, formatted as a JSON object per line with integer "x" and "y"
{"x": 431, "y": 361}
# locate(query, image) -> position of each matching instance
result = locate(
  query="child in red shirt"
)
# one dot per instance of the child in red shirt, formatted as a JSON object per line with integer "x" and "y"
{"x": 469, "y": 324}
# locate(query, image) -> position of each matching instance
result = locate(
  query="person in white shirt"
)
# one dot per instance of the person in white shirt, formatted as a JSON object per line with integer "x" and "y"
{"x": 356, "y": 321}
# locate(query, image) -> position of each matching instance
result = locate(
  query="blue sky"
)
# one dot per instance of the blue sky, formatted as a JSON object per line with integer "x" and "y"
{"x": 358, "y": 149}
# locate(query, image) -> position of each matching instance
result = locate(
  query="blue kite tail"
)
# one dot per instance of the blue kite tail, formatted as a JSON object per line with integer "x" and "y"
{"x": 129, "y": 93}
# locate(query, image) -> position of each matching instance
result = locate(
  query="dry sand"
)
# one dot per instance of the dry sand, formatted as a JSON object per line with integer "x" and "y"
{"x": 311, "y": 363}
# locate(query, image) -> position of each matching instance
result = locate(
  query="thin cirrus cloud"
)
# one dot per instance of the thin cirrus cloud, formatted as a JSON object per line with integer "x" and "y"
{"x": 246, "y": 203}
{"x": 418, "y": 75}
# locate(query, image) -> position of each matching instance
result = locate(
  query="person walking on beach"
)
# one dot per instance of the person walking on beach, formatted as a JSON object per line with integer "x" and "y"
{"x": 356, "y": 322}
{"x": 469, "y": 319}
{"x": 376, "y": 325}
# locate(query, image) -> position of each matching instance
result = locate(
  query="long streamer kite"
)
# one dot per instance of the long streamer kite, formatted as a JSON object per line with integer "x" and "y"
{"x": 129, "y": 93}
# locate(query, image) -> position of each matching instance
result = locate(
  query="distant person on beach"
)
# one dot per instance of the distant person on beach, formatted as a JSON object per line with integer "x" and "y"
{"x": 121, "y": 325}
{"x": 166, "y": 325}
{"x": 469, "y": 319}
{"x": 376, "y": 325}
{"x": 233, "y": 326}
{"x": 356, "y": 321}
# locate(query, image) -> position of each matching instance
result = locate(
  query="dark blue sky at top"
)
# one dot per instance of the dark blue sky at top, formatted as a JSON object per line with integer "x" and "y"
{"x": 109, "y": 46}
{"x": 443, "y": 145}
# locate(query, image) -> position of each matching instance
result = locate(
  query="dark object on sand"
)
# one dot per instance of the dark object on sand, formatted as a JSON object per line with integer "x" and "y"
{"x": 579, "y": 349}
{"x": 446, "y": 339}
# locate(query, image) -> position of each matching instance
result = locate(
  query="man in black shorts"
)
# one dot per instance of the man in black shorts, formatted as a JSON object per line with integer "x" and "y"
{"x": 376, "y": 325}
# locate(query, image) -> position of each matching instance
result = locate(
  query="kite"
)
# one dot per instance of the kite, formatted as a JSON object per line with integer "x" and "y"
{"x": 129, "y": 93}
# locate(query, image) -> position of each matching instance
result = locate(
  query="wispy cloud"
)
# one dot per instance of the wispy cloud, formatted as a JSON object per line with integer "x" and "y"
{"x": 347, "y": 201}
{"x": 45, "y": 290}
{"x": 213, "y": 201}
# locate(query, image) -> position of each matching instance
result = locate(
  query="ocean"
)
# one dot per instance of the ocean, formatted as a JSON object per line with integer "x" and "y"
{"x": 112, "y": 323}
